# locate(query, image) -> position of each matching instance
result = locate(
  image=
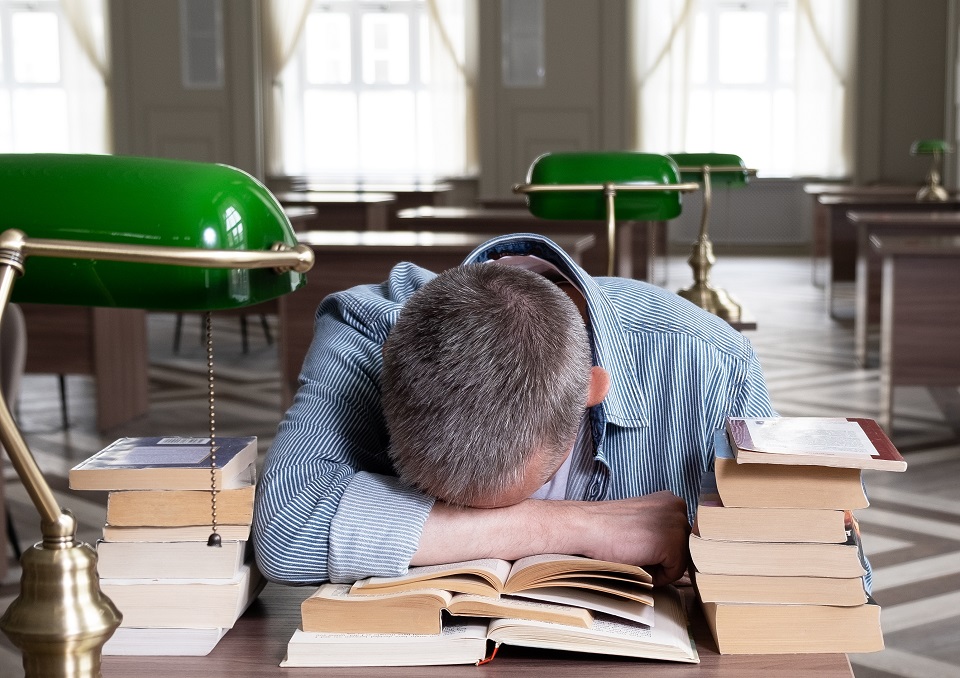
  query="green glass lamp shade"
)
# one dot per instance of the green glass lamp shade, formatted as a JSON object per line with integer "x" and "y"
{"x": 930, "y": 146}
{"x": 691, "y": 168}
{"x": 597, "y": 168}
{"x": 142, "y": 201}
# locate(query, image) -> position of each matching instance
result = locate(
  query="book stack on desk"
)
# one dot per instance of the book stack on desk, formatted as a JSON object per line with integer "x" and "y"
{"x": 460, "y": 612}
{"x": 777, "y": 556}
{"x": 177, "y": 595}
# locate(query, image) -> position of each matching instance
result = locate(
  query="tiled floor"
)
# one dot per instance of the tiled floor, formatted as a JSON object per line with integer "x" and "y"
{"x": 911, "y": 531}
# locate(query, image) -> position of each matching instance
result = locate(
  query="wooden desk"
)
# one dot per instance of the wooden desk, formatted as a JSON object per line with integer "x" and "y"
{"x": 255, "y": 646}
{"x": 868, "y": 270}
{"x": 920, "y": 326}
{"x": 345, "y": 259}
{"x": 842, "y": 236}
{"x": 406, "y": 194}
{"x": 339, "y": 210}
{"x": 110, "y": 344}
{"x": 638, "y": 242}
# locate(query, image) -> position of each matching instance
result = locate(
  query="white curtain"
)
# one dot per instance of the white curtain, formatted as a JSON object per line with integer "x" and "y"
{"x": 825, "y": 43}
{"x": 92, "y": 119}
{"x": 812, "y": 139}
{"x": 453, "y": 86}
{"x": 662, "y": 32}
{"x": 282, "y": 24}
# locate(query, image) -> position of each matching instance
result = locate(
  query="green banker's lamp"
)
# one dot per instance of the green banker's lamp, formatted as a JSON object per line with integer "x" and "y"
{"x": 707, "y": 168}
{"x": 133, "y": 233}
{"x": 932, "y": 190}
{"x": 604, "y": 185}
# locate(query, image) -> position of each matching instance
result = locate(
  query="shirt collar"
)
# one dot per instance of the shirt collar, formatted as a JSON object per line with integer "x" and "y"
{"x": 625, "y": 404}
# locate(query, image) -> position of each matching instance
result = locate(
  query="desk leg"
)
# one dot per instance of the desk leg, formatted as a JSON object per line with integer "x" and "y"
{"x": 121, "y": 363}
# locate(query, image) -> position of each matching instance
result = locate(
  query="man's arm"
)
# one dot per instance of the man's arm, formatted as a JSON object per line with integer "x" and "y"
{"x": 650, "y": 531}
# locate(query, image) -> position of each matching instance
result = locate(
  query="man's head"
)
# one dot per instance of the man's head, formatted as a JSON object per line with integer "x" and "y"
{"x": 485, "y": 379}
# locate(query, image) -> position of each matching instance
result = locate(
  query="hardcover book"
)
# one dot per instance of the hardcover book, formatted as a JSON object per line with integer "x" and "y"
{"x": 785, "y": 486}
{"x": 716, "y": 521}
{"x": 164, "y": 463}
{"x": 815, "y": 441}
{"x": 180, "y": 508}
{"x": 736, "y": 588}
{"x": 779, "y": 629}
{"x": 468, "y": 642}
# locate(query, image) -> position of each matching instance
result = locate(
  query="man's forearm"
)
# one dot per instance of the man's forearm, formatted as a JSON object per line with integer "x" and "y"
{"x": 649, "y": 531}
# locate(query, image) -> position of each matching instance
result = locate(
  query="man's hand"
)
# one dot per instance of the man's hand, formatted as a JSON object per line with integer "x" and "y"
{"x": 650, "y": 531}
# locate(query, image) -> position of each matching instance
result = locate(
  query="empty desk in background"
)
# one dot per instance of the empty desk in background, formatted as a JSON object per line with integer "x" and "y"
{"x": 636, "y": 244}
{"x": 406, "y": 194}
{"x": 109, "y": 344}
{"x": 257, "y": 643}
{"x": 842, "y": 235}
{"x": 868, "y": 272}
{"x": 344, "y": 210}
{"x": 345, "y": 259}
{"x": 920, "y": 322}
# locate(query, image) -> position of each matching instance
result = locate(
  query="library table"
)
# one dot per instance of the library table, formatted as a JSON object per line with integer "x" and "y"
{"x": 868, "y": 271}
{"x": 638, "y": 242}
{"x": 919, "y": 326}
{"x": 257, "y": 644}
{"x": 344, "y": 259}
{"x": 842, "y": 236}
{"x": 340, "y": 210}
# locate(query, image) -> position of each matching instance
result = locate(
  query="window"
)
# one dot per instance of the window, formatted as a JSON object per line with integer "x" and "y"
{"x": 51, "y": 98}
{"x": 764, "y": 79}
{"x": 366, "y": 97}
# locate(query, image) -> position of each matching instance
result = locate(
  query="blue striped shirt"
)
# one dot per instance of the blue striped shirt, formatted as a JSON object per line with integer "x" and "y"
{"x": 329, "y": 506}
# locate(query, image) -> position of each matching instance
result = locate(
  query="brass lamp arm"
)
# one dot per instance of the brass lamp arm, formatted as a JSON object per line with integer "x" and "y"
{"x": 282, "y": 257}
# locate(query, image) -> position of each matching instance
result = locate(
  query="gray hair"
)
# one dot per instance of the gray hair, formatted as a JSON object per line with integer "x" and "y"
{"x": 487, "y": 365}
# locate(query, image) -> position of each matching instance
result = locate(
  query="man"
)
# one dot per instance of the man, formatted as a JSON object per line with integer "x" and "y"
{"x": 526, "y": 406}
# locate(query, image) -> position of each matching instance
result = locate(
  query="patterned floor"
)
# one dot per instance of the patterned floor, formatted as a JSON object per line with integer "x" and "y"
{"x": 911, "y": 531}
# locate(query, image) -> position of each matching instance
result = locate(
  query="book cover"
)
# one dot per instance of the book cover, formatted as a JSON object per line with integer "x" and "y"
{"x": 163, "y": 463}
{"x": 853, "y": 442}
{"x": 179, "y": 508}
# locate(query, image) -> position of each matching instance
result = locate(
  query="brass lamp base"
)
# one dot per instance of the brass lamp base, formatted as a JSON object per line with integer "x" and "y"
{"x": 702, "y": 293}
{"x": 61, "y": 619}
{"x": 932, "y": 193}
{"x": 713, "y": 300}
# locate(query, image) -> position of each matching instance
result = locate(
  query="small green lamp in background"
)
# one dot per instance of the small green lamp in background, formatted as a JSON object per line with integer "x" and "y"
{"x": 129, "y": 233}
{"x": 606, "y": 185}
{"x": 707, "y": 168}
{"x": 932, "y": 190}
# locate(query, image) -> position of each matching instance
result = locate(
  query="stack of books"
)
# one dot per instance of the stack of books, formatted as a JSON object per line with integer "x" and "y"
{"x": 777, "y": 558}
{"x": 461, "y": 612}
{"x": 177, "y": 595}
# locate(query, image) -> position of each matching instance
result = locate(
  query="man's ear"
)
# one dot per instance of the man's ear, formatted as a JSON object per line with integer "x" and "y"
{"x": 599, "y": 385}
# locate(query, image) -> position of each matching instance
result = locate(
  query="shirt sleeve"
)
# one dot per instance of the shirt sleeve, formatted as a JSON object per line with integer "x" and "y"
{"x": 328, "y": 504}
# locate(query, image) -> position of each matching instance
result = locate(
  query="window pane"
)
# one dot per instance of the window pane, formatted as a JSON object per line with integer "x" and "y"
{"x": 744, "y": 126}
{"x": 40, "y": 121}
{"x": 699, "y": 57}
{"x": 784, "y": 149}
{"x": 700, "y": 120}
{"x": 327, "y": 37}
{"x": 386, "y": 49}
{"x": 330, "y": 131}
{"x": 389, "y": 131}
{"x": 6, "y": 129}
{"x": 425, "y": 36}
{"x": 743, "y": 47}
{"x": 36, "y": 47}
{"x": 787, "y": 49}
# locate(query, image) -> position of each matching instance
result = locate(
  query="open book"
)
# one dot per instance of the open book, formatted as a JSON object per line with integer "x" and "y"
{"x": 492, "y": 577}
{"x": 467, "y": 641}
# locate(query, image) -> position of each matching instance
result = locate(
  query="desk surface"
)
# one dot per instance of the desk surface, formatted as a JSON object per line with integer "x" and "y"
{"x": 935, "y": 246}
{"x": 853, "y": 189}
{"x": 255, "y": 646}
{"x": 905, "y": 218}
{"x": 885, "y": 199}
{"x": 332, "y": 198}
{"x": 467, "y": 213}
{"x": 367, "y": 241}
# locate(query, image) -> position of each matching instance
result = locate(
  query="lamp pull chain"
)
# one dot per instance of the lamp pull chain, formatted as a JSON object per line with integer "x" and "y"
{"x": 214, "y": 539}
